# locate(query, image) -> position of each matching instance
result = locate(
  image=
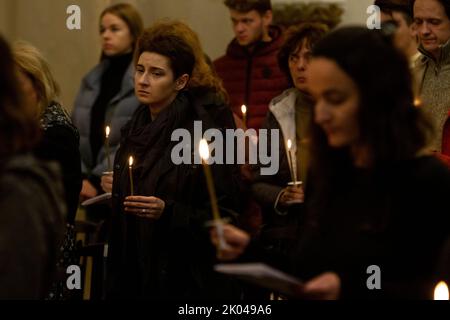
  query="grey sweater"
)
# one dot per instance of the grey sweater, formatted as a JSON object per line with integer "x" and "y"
{"x": 435, "y": 90}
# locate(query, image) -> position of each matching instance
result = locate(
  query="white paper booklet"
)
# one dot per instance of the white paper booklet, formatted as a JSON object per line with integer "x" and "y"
{"x": 262, "y": 275}
{"x": 103, "y": 198}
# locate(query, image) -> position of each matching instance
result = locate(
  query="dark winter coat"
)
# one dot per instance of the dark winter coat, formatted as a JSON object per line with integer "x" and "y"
{"x": 32, "y": 216}
{"x": 172, "y": 257}
{"x": 60, "y": 143}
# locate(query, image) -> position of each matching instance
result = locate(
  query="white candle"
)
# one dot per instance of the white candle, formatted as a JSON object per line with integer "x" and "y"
{"x": 130, "y": 162}
{"x": 204, "y": 154}
{"x": 244, "y": 115}
{"x": 291, "y": 160}
{"x": 107, "y": 131}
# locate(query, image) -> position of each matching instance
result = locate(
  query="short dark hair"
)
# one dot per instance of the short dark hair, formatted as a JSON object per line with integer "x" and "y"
{"x": 402, "y": 6}
{"x": 172, "y": 46}
{"x": 248, "y": 5}
{"x": 445, "y": 4}
{"x": 294, "y": 37}
{"x": 19, "y": 128}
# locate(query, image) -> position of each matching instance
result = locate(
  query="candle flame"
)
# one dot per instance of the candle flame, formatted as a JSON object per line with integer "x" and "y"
{"x": 130, "y": 161}
{"x": 289, "y": 144}
{"x": 108, "y": 131}
{"x": 244, "y": 109}
{"x": 204, "y": 150}
{"x": 441, "y": 291}
{"x": 417, "y": 102}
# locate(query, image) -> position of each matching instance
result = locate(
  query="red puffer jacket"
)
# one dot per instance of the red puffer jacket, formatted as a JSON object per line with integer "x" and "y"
{"x": 253, "y": 79}
{"x": 446, "y": 142}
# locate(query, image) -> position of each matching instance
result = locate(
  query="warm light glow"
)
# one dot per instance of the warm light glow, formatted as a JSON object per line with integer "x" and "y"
{"x": 417, "y": 102}
{"x": 441, "y": 291}
{"x": 204, "y": 150}
{"x": 244, "y": 109}
{"x": 131, "y": 161}
{"x": 289, "y": 144}
{"x": 108, "y": 131}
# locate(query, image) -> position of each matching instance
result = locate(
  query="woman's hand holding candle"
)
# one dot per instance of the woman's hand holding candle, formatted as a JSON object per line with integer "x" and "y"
{"x": 107, "y": 182}
{"x": 145, "y": 207}
{"x": 236, "y": 242}
{"x": 291, "y": 195}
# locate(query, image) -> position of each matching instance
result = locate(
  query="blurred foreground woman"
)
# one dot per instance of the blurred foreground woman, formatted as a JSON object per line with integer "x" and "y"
{"x": 32, "y": 210}
{"x": 375, "y": 198}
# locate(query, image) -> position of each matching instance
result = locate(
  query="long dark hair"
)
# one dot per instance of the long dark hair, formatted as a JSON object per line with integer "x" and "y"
{"x": 19, "y": 128}
{"x": 389, "y": 124}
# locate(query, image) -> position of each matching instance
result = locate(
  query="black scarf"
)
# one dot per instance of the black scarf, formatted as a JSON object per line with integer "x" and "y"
{"x": 148, "y": 140}
{"x": 111, "y": 83}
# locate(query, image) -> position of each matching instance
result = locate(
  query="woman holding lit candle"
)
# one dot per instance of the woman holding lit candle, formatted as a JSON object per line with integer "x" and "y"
{"x": 159, "y": 244}
{"x": 374, "y": 198}
{"x": 281, "y": 195}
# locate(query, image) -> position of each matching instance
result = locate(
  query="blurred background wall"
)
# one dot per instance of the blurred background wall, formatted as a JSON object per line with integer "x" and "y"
{"x": 72, "y": 53}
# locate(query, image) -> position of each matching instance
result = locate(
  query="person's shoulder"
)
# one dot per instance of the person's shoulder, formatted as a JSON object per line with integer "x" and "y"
{"x": 26, "y": 174}
{"x": 210, "y": 103}
{"x": 428, "y": 170}
{"x": 285, "y": 95}
{"x": 272, "y": 47}
{"x": 220, "y": 59}
{"x": 55, "y": 116}
{"x": 94, "y": 74}
{"x": 27, "y": 164}
{"x": 205, "y": 96}
{"x": 233, "y": 52}
{"x": 221, "y": 63}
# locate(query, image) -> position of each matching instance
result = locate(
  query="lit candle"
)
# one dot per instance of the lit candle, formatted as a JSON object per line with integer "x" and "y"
{"x": 417, "y": 102}
{"x": 291, "y": 160}
{"x": 204, "y": 154}
{"x": 441, "y": 291}
{"x": 244, "y": 116}
{"x": 108, "y": 131}
{"x": 130, "y": 161}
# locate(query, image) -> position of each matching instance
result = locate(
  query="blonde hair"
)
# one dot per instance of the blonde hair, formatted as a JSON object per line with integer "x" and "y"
{"x": 203, "y": 75}
{"x": 30, "y": 60}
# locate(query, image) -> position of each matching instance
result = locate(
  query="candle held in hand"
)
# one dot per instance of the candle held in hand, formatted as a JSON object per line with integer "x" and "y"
{"x": 291, "y": 161}
{"x": 107, "y": 153}
{"x": 130, "y": 162}
{"x": 204, "y": 154}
